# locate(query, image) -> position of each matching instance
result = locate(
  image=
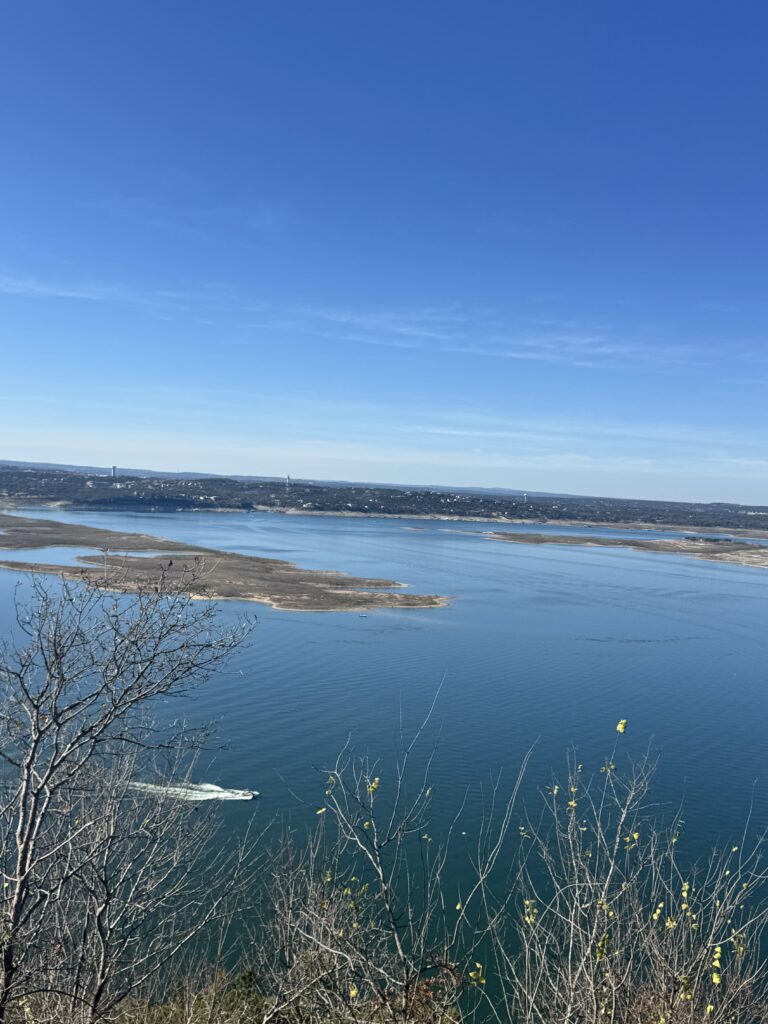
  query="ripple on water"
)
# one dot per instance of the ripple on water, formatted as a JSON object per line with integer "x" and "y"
{"x": 539, "y": 646}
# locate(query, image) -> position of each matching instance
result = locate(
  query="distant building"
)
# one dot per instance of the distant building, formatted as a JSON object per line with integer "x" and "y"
{"x": 114, "y": 472}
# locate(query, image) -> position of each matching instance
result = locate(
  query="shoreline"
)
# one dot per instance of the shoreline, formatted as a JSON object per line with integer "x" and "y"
{"x": 736, "y": 531}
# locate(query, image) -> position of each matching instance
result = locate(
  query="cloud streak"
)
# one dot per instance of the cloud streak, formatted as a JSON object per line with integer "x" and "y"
{"x": 33, "y": 288}
{"x": 427, "y": 332}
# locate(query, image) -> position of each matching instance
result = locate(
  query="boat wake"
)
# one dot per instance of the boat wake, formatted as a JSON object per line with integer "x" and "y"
{"x": 194, "y": 791}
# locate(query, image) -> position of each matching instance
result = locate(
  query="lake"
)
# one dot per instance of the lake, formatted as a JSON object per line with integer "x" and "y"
{"x": 541, "y": 645}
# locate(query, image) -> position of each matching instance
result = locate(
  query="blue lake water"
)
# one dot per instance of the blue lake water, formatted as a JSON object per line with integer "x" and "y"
{"x": 540, "y": 645}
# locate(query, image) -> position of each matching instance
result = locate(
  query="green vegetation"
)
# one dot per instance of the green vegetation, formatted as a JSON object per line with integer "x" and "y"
{"x": 116, "y": 907}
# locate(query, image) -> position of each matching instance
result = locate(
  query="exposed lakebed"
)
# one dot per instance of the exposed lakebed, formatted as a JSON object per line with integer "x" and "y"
{"x": 134, "y": 560}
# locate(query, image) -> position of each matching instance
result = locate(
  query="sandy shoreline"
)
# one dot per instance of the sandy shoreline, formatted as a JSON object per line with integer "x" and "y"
{"x": 733, "y": 552}
{"x": 14, "y": 506}
{"x": 204, "y": 572}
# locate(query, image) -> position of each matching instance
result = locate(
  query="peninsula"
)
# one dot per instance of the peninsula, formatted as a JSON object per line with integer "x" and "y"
{"x": 714, "y": 549}
{"x": 138, "y": 559}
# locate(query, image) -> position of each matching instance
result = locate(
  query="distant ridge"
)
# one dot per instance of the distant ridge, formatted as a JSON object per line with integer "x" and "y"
{"x": 194, "y": 475}
{"x": 122, "y": 471}
{"x": 147, "y": 490}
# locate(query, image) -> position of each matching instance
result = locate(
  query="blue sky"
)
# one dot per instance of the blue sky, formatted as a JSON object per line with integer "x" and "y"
{"x": 498, "y": 244}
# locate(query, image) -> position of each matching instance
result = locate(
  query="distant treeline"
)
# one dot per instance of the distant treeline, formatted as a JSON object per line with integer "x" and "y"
{"x": 172, "y": 494}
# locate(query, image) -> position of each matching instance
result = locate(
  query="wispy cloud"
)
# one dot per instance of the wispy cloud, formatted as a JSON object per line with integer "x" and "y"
{"x": 662, "y": 436}
{"x": 247, "y": 226}
{"x": 423, "y": 331}
{"x": 33, "y": 288}
{"x": 311, "y": 438}
{"x": 491, "y": 334}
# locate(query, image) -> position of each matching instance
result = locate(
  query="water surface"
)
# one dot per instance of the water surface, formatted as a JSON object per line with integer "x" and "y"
{"x": 540, "y": 645}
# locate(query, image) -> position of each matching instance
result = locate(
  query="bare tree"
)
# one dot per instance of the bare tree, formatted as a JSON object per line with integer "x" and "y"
{"x": 358, "y": 924}
{"x": 613, "y": 922}
{"x": 102, "y": 885}
{"x": 601, "y": 919}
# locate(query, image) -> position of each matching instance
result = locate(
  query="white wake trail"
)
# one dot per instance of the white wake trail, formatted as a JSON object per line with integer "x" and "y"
{"x": 194, "y": 791}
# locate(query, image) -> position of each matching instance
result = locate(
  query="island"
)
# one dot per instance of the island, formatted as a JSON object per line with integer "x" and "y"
{"x": 714, "y": 549}
{"x": 130, "y": 561}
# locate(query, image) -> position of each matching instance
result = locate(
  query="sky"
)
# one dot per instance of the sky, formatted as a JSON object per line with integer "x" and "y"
{"x": 499, "y": 244}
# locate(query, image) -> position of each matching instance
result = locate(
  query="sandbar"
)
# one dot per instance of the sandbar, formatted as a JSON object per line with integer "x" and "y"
{"x": 713, "y": 549}
{"x": 138, "y": 560}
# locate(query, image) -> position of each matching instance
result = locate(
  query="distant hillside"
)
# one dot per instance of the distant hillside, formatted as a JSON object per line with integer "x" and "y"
{"x": 134, "y": 491}
{"x": 107, "y": 471}
{"x": 160, "y": 474}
